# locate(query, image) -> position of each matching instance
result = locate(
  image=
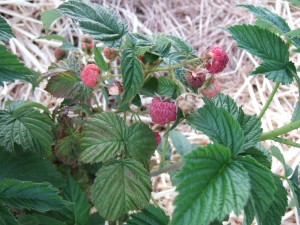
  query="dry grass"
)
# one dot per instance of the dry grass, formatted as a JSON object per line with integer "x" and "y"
{"x": 200, "y": 22}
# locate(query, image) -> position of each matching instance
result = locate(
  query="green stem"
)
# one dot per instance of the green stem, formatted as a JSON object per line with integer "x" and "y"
{"x": 286, "y": 142}
{"x": 165, "y": 147}
{"x": 165, "y": 169}
{"x": 280, "y": 131}
{"x": 266, "y": 106}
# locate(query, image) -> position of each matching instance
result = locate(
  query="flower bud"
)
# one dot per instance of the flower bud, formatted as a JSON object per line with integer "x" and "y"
{"x": 196, "y": 78}
{"x": 59, "y": 54}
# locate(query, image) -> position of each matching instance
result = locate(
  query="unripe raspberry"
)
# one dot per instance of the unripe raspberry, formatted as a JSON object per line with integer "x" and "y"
{"x": 196, "y": 78}
{"x": 87, "y": 46}
{"x": 90, "y": 74}
{"x": 157, "y": 138}
{"x": 187, "y": 102}
{"x": 115, "y": 89}
{"x": 87, "y": 39}
{"x": 212, "y": 89}
{"x": 59, "y": 53}
{"x": 109, "y": 53}
{"x": 162, "y": 112}
{"x": 218, "y": 60}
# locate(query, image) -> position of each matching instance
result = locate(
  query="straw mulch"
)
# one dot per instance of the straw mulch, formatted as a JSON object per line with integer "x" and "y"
{"x": 200, "y": 22}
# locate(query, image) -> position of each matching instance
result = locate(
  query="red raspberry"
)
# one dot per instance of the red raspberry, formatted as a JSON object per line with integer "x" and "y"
{"x": 115, "y": 89}
{"x": 157, "y": 138}
{"x": 109, "y": 53}
{"x": 162, "y": 112}
{"x": 87, "y": 46}
{"x": 196, "y": 78}
{"x": 218, "y": 61}
{"x": 59, "y": 53}
{"x": 212, "y": 89}
{"x": 90, "y": 74}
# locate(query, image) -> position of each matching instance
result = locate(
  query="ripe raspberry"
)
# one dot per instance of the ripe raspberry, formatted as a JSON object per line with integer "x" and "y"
{"x": 115, "y": 89}
{"x": 109, "y": 53}
{"x": 59, "y": 53}
{"x": 157, "y": 138}
{"x": 87, "y": 46}
{"x": 90, "y": 74}
{"x": 212, "y": 89}
{"x": 162, "y": 112}
{"x": 196, "y": 78}
{"x": 218, "y": 60}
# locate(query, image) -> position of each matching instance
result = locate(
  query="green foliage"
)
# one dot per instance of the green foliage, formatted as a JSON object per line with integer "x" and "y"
{"x": 27, "y": 166}
{"x": 294, "y": 33}
{"x": 48, "y": 17}
{"x": 99, "y": 60}
{"x": 102, "y": 23}
{"x": 95, "y": 219}
{"x": 151, "y": 215}
{"x": 219, "y": 126}
{"x": 262, "y": 156}
{"x": 121, "y": 186}
{"x": 38, "y": 219}
{"x": 77, "y": 211}
{"x": 210, "y": 177}
{"x": 107, "y": 135}
{"x": 262, "y": 187}
{"x": 181, "y": 143}
{"x": 28, "y": 128}
{"x": 5, "y": 30}
{"x": 6, "y": 218}
{"x": 168, "y": 87}
{"x": 293, "y": 182}
{"x": 150, "y": 87}
{"x": 275, "y": 151}
{"x": 132, "y": 74}
{"x": 11, "y": 68}
{"x": 267, "y": 46}
{"x": 41, "y": 197}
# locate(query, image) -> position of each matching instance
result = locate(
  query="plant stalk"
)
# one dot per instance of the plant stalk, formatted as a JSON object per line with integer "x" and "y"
{"x": 165, "y": 147}
{"x": 280, "y": 131}
{"x": 266, "y": 106}
{"x": 167, "y": 168}
{"x": 286, "y": 142}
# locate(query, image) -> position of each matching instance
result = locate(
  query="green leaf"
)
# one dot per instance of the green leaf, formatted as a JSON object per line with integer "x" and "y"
{"x": 48, "y": 17}
{"x": 102, "y": 23}
{"x": 20, "y": 105}
{"x": 223, "y": 101}
{"x": 38, "y": 219}
{"x": 278, "y": 206}
{"x": 54, "y": 37}
{"x": 5, "y": 30}
{"x": 6, "y": 218}
{"x": 95, "y": 219}
{"x": 132, "y": 74}
{"x": 152, "y": 215}
{"x": 295, "y": 2}
{"x": 26, "y": 166}
{"x": 168, "y": 87}
{"x": 267, "y": 46}
{"x": 210, "y": 177}
{"x": 262, "y": 187}
{"x": 294, "y": 33}
{"x": 251, "y": 126}
{"x": 99, "y": 59}
{"x": 77, "y": 212}
{"x": 28, "y": 128}
{"x": 64, "y": 85}
{"x": 181, "y": 46}
{"x": 219, "y": 126}
{"x": 11, "y": 68}
{"x": 107, "y": 135}
{"x": 121, "y": 186}
{"x": 168, "y": 151}
{"x": 181, "y": 143}
{"x": 261, "y": 155}
{"x": 271, "y": 18}
{"x": 293, "y": 182}
{"x": 275, "y": 151}
{"x": 41, "y": 197}
{"x": 296, "y": 113}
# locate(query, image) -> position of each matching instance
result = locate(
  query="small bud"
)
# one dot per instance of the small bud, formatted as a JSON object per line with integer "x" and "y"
{"x": 109, "y": 53}
{"x": 59, "y": 54}
{"x": 212, "y": 89}
{"x": 162, "y": 112}
{"x": 218, "y": 60}
{"x": 187, "y": 102}
{"x": 87, "y": 39}
{"x": 90, "y": 74}
{"x": 157, "y": 138}
{"x": 115, "y": 89}
{"x": 196, "y": 78}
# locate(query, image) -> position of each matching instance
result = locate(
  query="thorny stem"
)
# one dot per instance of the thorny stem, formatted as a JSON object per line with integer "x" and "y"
{"x": 167, "y": 168}
{"x": 266, "y": 106}
{"x": 279, "y": 131}
{"x": 285, "y": 141}
{"x": 165, "y": 147}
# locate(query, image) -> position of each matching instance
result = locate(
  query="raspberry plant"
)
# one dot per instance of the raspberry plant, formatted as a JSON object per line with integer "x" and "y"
{"x": 56, "y": 165}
